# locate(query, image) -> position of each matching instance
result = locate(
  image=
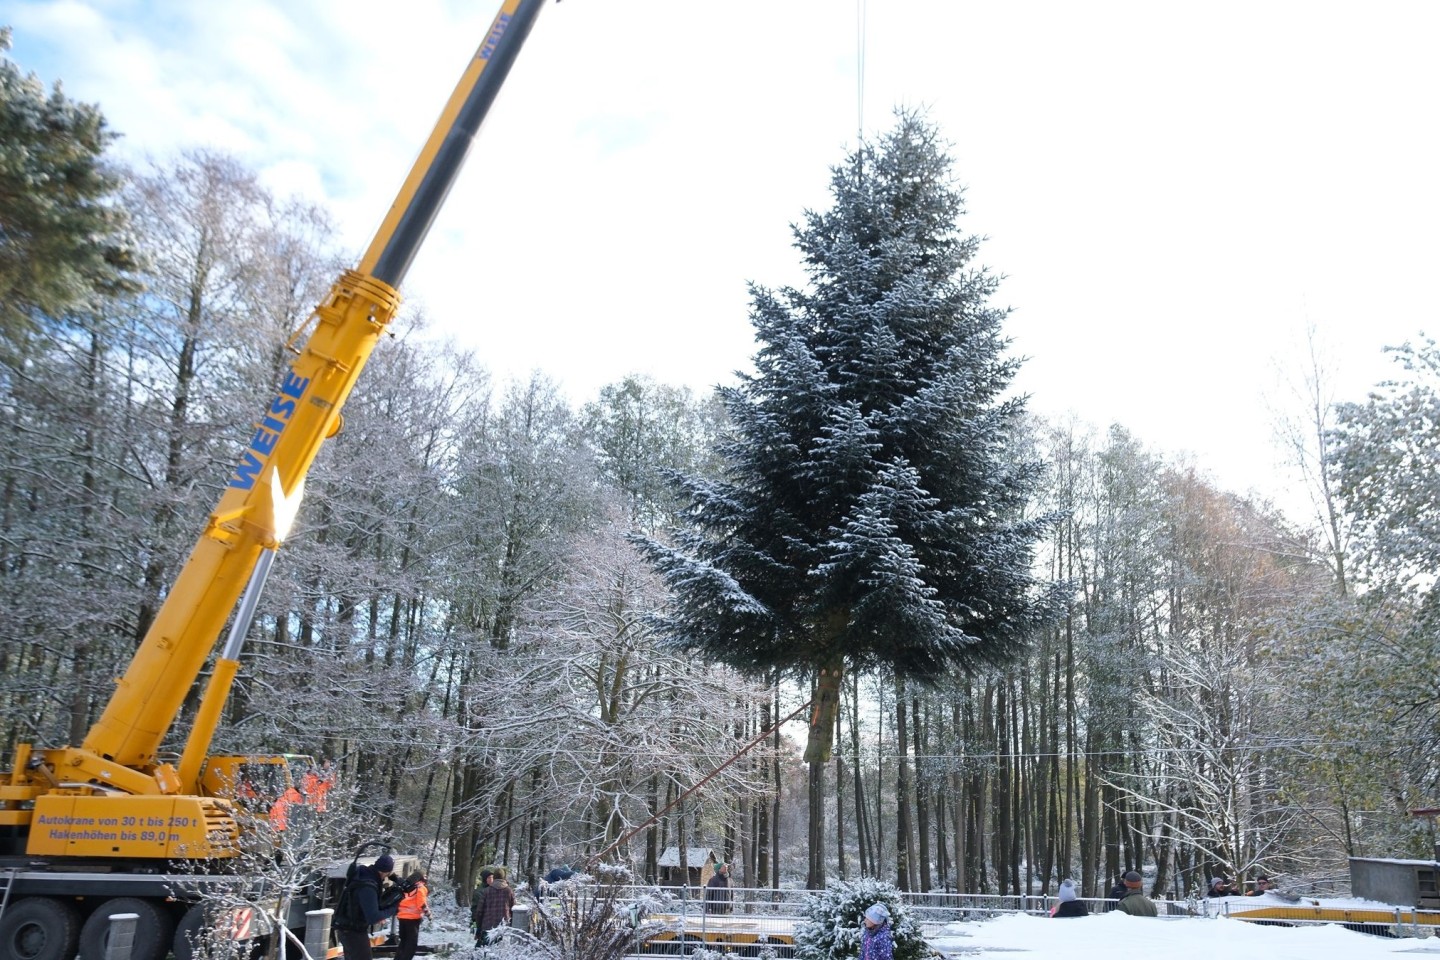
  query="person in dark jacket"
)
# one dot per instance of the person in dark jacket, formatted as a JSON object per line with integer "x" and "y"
{"x": 496, "y": 902}
{"x": 1135, "y": 902}
{"x": 1219, "y": 888}
{"x": 1117, "y": 893}
{"x": 1070, "y": 904}
{"x": 365, "y": 901}
{"x": 1262, "y": 887}
{"x": 718, "y": 895}
{"x": 558, "y": 874}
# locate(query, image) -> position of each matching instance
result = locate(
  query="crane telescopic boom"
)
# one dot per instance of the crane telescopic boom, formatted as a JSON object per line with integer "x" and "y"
{"x": 116, "y": 765}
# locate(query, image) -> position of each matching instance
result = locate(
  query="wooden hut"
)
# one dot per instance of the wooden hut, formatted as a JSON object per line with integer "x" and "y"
{"x": 700, "y": 862}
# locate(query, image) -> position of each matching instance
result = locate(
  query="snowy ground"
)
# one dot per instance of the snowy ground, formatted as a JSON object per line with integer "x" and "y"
{"x": 1107, "y": 936}
{"x": 1104, "y": 936}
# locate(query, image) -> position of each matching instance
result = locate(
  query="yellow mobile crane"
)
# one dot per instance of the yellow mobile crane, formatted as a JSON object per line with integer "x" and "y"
{"x": 92, "y": 830}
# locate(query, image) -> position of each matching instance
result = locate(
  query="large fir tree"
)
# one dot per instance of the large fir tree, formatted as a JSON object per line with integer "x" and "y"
{"x": 871, "y": 513}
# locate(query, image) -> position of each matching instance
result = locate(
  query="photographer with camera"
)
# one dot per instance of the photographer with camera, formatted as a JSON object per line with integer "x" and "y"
{"x": 371, "y": 894}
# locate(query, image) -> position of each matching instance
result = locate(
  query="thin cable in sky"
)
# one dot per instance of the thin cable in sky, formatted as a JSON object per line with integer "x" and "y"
{"x": 859, "y": 71}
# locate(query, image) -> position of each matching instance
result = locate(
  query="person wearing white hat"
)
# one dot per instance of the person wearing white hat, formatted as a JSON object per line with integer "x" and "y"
{"x": 876, "y": 942}
{"x": 1068, "y": 902}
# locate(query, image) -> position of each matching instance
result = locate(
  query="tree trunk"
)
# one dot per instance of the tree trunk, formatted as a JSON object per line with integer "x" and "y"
{"x": 1004, "y": 826}
{"x": 868, "y": 866}
{"x": 762, "y": 814}
{"x": 840, "y": 810}
{"x": 825, "y": 705}
{"x": 904, "y": 869}
{"x": 921, "y": 857}
{"x": 815, "y": 868}
{"x": 775, "y": 809}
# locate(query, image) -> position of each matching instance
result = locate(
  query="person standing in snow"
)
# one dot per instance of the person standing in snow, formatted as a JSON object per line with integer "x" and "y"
{"x": 1069, "y": 903}
{"x": 414, "y": 909}
{"x": 1117, "y": 892}
{"x": 718, "y": 895}
{"x": 876, "y": 940}
{"x": 367, "y": 899}
{"x": 496, "y": 902}
{"x": 1135, "y": 902}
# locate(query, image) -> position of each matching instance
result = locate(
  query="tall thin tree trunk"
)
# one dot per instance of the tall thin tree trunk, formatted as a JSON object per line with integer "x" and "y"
{"x": 762, "y": 813}
{"x": 825, "y": 704}
{"x": 904, "y": 869}
{"x": 839, "y": 804}
{"x": 868, "y": 866}
{"x": 922, "y": 802}
{"x": 775, "y": 808}
{"x": 815, "y": 868}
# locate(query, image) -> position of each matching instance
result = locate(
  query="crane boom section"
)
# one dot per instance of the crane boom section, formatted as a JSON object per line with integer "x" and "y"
{"x": 252, "y": 515}
{"x": 404, "y": 228}
{"x": 263, "y": 491}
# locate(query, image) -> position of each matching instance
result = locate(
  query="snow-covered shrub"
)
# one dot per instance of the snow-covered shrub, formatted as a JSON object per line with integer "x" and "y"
{"x": 584, "y": 917}
{"x": 831, "y": 930}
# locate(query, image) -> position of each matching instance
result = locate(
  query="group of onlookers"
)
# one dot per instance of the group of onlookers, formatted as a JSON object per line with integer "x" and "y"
{"x": 1128, "y": 896}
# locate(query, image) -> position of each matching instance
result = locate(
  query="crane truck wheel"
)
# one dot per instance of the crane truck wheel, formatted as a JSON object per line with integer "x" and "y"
{"x": 39, "y": 928}
{"x": 153, "y": 931}
{"x": 193, "y": 938}
{"x": 190, "y": 932}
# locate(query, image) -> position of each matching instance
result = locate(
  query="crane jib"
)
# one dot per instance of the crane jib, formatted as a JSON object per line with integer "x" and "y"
{"x": 497, "y": 30}
{"x": 400, "y": 236}
{"x": 267, "y": 432}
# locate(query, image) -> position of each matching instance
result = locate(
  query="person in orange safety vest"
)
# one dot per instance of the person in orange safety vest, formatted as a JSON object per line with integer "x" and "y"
{"x": 414, "y": 908}
{"x": 280, "y": 810}
{"x": 317, "y": 783}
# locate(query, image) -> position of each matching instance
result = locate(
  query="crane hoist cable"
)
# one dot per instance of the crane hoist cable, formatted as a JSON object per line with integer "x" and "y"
{"x": 859, "y": 70}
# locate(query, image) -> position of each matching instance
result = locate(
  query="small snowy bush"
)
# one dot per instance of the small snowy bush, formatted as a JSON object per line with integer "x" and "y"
{"x": 831, "y": 930}
{"x": 584, "y": 917}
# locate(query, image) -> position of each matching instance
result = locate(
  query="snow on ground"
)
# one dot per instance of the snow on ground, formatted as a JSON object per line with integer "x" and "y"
{"x": 1102, "y": 936}
{"x": 1106, "y": 936}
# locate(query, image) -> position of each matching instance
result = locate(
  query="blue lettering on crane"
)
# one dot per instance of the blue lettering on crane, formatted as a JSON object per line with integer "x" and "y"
{"x": 267, "y": 431}
{"x": 496, "y": 32}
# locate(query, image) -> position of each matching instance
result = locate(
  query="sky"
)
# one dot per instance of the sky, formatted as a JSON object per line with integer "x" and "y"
{"x": 1173, "y": 193}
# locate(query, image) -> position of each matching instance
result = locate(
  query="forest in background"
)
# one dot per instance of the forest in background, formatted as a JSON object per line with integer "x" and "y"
{"x": 462, "y": 623}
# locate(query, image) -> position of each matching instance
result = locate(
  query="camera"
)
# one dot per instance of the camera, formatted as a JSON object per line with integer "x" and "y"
{"x": 395, "y": 890}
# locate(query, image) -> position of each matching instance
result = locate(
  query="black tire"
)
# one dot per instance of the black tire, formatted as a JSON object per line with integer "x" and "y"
{"x": 154, "y": 931}
{"x": 188, "y": 932}
{"x": 191, "y": 929}
{"x": 39, "y": 928}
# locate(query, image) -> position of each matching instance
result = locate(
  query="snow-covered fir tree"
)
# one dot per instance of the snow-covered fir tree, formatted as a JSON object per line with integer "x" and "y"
{"x": 832, "y": 925}
{"x": 870, "y": 514}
